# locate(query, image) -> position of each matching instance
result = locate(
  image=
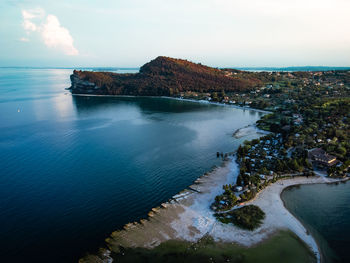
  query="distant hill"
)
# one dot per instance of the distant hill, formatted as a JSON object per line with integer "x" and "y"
{"x": 294, "y": 69}
{"x": 163, "y": 76}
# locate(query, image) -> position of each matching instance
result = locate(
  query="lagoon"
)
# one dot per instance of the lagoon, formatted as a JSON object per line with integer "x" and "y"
{"x": 325, "y": 212}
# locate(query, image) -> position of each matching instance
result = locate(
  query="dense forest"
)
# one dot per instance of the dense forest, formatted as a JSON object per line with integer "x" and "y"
{"x": 163, "y": 76}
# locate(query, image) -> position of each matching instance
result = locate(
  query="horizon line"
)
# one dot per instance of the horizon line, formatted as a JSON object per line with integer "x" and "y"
{"x": 137, "y": 68}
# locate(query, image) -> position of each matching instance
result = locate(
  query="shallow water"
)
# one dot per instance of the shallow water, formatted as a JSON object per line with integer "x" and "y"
{"x": 324, "y": 210}
{"x": 73, "y": 169}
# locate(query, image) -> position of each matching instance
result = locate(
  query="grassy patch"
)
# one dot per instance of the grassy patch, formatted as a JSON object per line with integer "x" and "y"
{"x": 282, "y": 247}
{"x": 247, "y": 217}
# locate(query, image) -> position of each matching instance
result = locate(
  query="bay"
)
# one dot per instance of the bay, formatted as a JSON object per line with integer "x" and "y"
{"x": 74, "y": 169}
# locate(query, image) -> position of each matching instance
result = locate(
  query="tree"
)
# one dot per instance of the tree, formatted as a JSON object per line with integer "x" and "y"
{"x": 263, "y": 170}
{"x": 341, "y": 150}
{"x": 293, "y": 164}
{"x": 222, "y": 93}
{"x": 233, "y": 198}
{"x": 239, "y": 180}
{"x": 307, "y": 163}
{"x": 279, "y": 166}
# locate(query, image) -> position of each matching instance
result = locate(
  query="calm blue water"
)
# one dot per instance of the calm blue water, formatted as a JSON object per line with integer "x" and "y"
{"x": 325, "y": 211}
{"x": 73, "y": 169}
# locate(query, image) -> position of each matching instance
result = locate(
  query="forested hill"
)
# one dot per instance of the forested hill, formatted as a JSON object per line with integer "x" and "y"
{"x": 163, "y": 76}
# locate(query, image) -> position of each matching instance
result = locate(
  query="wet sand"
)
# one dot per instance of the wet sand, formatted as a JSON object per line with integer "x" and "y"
{"x": 188, "y": 217}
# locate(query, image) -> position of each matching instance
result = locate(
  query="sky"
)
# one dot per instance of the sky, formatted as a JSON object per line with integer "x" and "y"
{"x": 129, "y": 33}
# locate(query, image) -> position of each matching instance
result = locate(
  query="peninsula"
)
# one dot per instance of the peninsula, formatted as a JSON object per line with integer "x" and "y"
{"x": 306, "y": 141}
{"x": 163, "y": 76}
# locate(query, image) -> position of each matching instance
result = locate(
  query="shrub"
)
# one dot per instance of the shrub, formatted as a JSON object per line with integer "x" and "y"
{"x": 248, "y": 217}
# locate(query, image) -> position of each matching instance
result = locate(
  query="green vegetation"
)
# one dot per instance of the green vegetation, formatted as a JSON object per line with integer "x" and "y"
{"x": 310, "y": 110}
{"x": 282, "y": 247}
{"x": 247, "y": 217}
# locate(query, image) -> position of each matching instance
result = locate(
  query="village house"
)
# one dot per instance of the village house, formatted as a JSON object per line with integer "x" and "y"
{"x": 321, "y": 157}
{"x": 298, "y": 121}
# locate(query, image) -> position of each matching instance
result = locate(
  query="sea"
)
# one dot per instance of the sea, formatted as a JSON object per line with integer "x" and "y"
{"x": 75, "y": 168}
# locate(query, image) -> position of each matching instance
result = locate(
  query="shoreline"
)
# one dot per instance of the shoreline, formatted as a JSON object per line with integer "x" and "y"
{"x": 334, "y": 181}
{"x": 183, "y": 194}
{"x": 295, "y": 225}
{"x": 279, "y": 217}
{"x": 165, "y": 221}
{"x": 174, "y": 98}
{"x": 187, "y": 216}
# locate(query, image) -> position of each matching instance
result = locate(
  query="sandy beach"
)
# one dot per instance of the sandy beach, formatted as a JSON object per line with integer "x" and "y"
{"x": 187, "y": 216}
{"x": 248, "y": 130}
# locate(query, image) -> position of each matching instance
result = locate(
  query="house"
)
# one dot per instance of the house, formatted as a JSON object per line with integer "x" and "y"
{"x": 298, "y": 121}
{"x": 238, "y": 188}
{"x": 321, "y": 157}
{"x": 288, "y": 101}
{"x": 297, "y": 116}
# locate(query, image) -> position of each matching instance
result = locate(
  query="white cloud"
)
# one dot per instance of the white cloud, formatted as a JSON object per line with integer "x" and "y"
{"x": 52, "y": 33}
{"x": 33, "y": 13}
{"x": 29, "y": 16}
{"x": 29, "y": 26}
{"x": 56, "y": 36}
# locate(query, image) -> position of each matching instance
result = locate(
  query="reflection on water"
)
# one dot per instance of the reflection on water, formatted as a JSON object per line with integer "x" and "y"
{"x": 146, "y": 105}
{"x": 73, "y": 169}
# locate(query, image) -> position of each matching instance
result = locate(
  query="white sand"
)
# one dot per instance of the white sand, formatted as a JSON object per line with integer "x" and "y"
{"x": 188, "y": 215}
{"x": 277, "y": 217}
{"x": 199, "y": 215}
{"x": 248, "y": 130}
